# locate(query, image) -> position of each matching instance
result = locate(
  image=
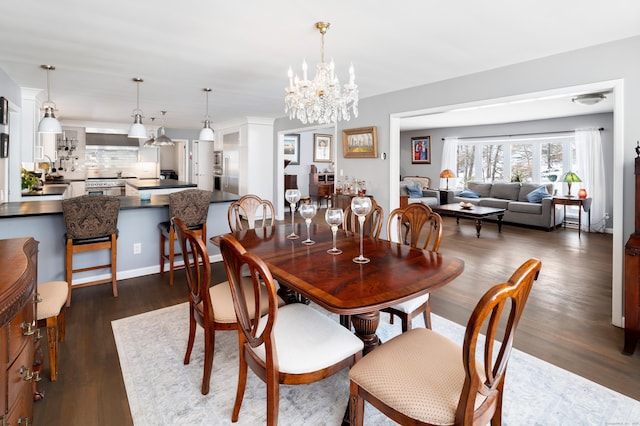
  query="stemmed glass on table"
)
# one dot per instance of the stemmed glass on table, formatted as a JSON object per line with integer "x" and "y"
{"x": 361, "y": 206}
{"x": 308, "y": 211}
{"x": 334, "y": 218}
{"x": 292, "y": 196}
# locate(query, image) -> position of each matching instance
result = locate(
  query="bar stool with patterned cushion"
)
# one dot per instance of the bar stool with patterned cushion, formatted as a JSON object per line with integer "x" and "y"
{"x": 91, "y": 223}
{"x": 51, "y": 299}
{"x": 192, "y": 207}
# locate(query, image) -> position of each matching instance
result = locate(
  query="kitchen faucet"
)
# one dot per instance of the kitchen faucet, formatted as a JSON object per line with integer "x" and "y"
{"x": 51, "y": 168}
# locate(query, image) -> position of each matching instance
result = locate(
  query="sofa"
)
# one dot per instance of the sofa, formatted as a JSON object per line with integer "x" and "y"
{"x": 415, "y": 189}
{"x": 525, "y": 203}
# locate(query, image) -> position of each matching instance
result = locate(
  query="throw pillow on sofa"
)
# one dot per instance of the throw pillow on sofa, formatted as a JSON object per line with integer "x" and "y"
{"x": 414, "y": 190}
{"x": 467, "y": 193}
{"x": 537, "y": 195}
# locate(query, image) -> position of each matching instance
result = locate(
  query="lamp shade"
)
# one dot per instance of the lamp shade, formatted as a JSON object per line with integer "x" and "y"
{"x": 206, "y": 134}
{"x": 137, "y": 129}
{"x": 570, "y": 177}
{"x": 446, "y": 174}
{"x": 49, "y": 123}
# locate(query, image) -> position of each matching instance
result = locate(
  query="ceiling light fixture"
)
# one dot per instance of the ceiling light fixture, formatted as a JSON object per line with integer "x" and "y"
{"x": 49, "y": 123}
{"x": 137, "y": 129}
{"x": 589, "y": 99}
{"x": 151, "y": 142}
{"x": 206, "y": 134}
{"x": 321, "y": 100}
{"x": 162, "y": 139}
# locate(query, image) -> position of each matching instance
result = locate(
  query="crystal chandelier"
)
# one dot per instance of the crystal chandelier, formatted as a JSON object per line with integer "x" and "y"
{"x": 321, "y": 100}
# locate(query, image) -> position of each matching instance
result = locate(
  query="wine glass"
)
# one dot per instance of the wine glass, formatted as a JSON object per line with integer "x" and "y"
{"x": 361, "y": 206}
{"x": 292, "y": 196}
{"x": 308, "y": 211}
{"x": 334, "y": 218}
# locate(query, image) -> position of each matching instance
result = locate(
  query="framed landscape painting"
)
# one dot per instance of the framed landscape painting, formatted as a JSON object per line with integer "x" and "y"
{"x": 292, "y": 148}
{"x": 322, "y": 148}
{"x": 421, "y": 150}
{"x": 360, "y": 143}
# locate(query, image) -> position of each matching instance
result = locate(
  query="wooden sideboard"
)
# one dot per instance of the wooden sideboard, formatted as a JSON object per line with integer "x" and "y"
{"x": 18, "y": 261}
{"x": 632, "y": 278}
{"x": 320, "y": 185}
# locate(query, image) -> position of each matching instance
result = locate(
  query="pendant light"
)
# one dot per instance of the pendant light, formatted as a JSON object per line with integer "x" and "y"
{"x": 137, "y": 129}
{"x": 162, "y": 139}
{"x": 49, "y": 123}
{"x": 206, "y": 134}
{"x": 151, "y": 142}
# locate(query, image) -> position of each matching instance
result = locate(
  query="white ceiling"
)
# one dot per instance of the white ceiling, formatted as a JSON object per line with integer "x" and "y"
{"x": 243, "y": 50}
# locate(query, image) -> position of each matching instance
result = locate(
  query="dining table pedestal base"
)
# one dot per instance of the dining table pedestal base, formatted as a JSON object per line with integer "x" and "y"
{"x": 365, "y": 326}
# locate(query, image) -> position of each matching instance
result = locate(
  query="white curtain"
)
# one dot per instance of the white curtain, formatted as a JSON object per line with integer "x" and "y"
{"x": 590, "y": 169}
{"x": 449, "y": 161}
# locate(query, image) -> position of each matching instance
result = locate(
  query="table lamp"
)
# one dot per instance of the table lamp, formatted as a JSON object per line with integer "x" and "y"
{"x": 446, "y": 174}
{"x": 569, "y": 178}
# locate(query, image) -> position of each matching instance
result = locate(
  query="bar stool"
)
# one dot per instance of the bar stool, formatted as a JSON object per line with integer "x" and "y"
{"x": 51, "y": 299}
{"x": 192, "y": 207}
{"x": 91, "y": 223}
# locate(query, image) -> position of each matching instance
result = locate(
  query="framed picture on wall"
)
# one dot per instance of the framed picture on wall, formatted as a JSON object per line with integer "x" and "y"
{"x": 4, "y": 145}
{"x": 421, "y": 150}
{"x": 322, "y": 148}
{"x": 292, "y": 148}
{"x": 360, "y": 143}
{"x": 4, "y": 110}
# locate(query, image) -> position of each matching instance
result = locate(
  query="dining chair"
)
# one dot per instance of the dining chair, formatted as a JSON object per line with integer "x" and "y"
{"x": 211, "y": 307}
{"x": 422, "y": 378}
{"x": 51, "y": 298}
{"x": 192, "y": 206}
{"x": 293, "y": 344}
{"x": 418, "y": 226}
{"x": 372, "y": 221}
{"x": 91, "y": 224}
{"x": 247, "y": 209}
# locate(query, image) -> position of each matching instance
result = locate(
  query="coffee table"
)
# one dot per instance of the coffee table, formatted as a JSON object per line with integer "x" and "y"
{"x": 476, "y": 212}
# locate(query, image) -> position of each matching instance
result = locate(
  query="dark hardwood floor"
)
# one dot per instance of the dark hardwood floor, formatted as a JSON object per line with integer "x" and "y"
{"x": 566, "y": 321}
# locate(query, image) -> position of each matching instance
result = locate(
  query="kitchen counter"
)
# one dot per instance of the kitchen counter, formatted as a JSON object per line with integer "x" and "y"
{"x": 57, "y": 189}
{"x": 39, "y": 208}
{"x": 149, "y": 184}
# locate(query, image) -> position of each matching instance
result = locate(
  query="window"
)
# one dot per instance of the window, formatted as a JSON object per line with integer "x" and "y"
{"x": 535, "y": 158}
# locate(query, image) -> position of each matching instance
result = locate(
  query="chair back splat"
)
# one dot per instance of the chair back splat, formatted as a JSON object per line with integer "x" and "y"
{"x": 372, "y": 221}
{"x": 252, "y": 208}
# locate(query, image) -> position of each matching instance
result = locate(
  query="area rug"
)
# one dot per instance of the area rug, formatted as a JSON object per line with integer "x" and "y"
{"x": 163, "y": 391}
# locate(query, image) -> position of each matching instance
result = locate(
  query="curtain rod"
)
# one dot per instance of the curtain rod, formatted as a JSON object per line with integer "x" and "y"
{"x": 518, "y": 134}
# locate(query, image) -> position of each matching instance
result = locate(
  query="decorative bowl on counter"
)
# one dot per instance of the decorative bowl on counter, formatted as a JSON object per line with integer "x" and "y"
{"x": 145, "y": 196}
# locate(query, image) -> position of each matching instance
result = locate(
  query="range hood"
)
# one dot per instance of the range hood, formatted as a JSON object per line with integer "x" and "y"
{"x": 111, "y": 139}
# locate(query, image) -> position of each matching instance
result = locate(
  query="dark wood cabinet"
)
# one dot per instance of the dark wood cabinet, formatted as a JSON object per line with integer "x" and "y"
{"x": 18, "y": 261}
{"x": 632, "y": 278}
{"x": 320, "y": 185}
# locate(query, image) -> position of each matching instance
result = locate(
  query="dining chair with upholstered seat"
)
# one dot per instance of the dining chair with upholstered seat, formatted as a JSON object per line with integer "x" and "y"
{"x": 211, "y": 307}
{"x": 422, "y": 378}
{"x": 192, "y": 206}
{"x": 418, "y": 226}
{"x": 372, "y": 221}
{"x": 51, "y": 299}
{"x": 293, "y": 344}
{"x": 250, "y": 209}
{"x": 91, "y": 223}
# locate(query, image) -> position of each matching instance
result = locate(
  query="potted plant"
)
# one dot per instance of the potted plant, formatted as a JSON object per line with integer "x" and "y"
{"x": 29, "y": 181}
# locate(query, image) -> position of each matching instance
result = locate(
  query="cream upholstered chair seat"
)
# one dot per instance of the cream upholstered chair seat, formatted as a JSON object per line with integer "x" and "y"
{"x": 430, "y": 392}
{"x": 222, "y": 301}
{"x": 52, "y": 297}
{"x": 308, "y": 341}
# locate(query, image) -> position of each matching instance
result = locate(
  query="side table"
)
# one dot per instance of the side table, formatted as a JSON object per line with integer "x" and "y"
{"x": 582, "y": 203}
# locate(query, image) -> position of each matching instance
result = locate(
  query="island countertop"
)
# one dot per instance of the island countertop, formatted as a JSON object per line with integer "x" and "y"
{"x": 148, "y": 184}
{"x": 53, "y": 207}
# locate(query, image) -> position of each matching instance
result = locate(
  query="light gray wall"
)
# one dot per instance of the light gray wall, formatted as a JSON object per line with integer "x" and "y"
{"x": 538, "y": 126}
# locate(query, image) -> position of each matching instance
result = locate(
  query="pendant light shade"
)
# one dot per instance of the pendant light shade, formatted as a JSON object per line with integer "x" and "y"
{"x": 137, "y": 129}
{"x": 162, "y": 139}
{"x": 49, "y": 123}
{"x": 206, "y": 134}
{"x": 151, "y": 142}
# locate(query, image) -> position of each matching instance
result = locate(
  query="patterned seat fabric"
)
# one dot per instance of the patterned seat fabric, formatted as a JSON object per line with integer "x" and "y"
{"x": 90, "y": 216}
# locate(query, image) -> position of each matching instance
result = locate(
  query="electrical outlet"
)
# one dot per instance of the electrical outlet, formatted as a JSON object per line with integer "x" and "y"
{"x": 137, "y": 248}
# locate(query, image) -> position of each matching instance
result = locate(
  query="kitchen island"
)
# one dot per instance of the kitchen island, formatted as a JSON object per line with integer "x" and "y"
{"x": 137, "y": 224}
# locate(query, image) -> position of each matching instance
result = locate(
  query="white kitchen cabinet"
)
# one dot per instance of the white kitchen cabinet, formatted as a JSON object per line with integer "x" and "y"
{"x": 251, "y": 151}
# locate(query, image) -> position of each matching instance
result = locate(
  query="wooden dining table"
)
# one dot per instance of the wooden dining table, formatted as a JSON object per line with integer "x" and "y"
{"x": 396, "y": 272}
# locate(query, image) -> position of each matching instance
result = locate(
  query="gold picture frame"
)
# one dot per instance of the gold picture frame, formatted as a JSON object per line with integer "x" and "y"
{"x": 322, "y": 147}
{"x": 360, "y": 143}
